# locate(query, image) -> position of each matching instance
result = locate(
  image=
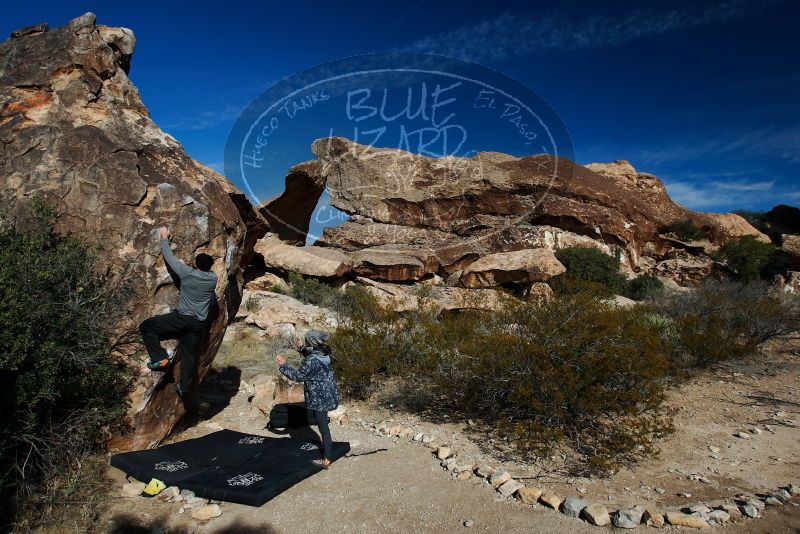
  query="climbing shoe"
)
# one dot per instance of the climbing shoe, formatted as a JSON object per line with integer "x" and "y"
{"x": 161, "y": 365}
{"x": 153, "y": 488}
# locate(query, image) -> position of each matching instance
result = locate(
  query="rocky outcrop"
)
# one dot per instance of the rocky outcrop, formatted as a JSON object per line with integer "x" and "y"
{"x": 283, "y": 316}
{"x": 74, "y": 131}
{"x": 402, "y": 298}
{"x": 521, "y": 266}
{"x": 289, "y": 213}
{"x": 608, "y": 202}
{"x": 309, "y": 261}
{"x": 413, "y": 217}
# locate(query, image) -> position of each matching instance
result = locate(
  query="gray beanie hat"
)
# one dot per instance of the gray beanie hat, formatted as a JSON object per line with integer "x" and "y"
{"x": 317, "y": 338}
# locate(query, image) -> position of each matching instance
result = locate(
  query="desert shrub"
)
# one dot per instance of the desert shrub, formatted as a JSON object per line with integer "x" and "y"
{"x": 61, "y": 392}
{"x": 723, "y": 320}
{"x": 251, "y": 305}
{"x": 685, "y": 230}
{"x": 575, "y": 372}
{"x": 644, "y": 286}
{"x": 746, "y": 256}
{"x": 588, "y": 269}
{"x": 375, "y": 342}
{"x": 354, "y": 300}
{"x": 278, "y": 288}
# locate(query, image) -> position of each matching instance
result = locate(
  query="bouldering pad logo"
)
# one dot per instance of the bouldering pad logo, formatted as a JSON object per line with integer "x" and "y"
{"x": 170, "y": 467}
{"x": 408, "y": 139}
{"x": 247, "y": 479}
{"x": 251, "y": 440}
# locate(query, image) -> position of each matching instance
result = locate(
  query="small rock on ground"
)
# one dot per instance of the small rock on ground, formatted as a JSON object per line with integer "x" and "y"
{"x": 132, "y": 489}
{"x": 629, "y": 518}
{"x": 686, "y": 520}
{"x": 550, "y": 499}
{"x": 204, "y": 513}
{"x": 572, "y": 506}
{"x": 509, "y": 487}
{"x": 654, "y": 519}
{"x": 498, "y": 479}
{"x": 484, "y": 471}
{"x": 529, "y": 495}
{"x": 719, "y": 517}
{"x": 597, "y": 515}
{"x": 749, "y": 509}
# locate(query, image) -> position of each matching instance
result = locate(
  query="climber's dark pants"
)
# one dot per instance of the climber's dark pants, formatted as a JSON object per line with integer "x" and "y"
{"x": 324, "y": 431}
{"x": 173, "y": 325}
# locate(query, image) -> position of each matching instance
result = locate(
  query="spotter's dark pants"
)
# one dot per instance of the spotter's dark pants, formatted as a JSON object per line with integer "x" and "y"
{"x": 325, "y": 432}
{"x": 187, "y": 329}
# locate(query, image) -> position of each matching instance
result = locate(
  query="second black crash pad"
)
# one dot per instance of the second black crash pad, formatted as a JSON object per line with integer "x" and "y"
{"x": 229, "y": 466}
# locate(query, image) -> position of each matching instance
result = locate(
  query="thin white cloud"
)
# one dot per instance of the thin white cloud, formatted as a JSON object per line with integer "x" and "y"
{"x": 513, "y": 35}
{"x": 781, "y": 143}
{"x": 200, "y": 120}
{"x": 716, "y": 194}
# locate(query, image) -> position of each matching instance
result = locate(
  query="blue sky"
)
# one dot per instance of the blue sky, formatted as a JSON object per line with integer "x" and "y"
{"x": 702, "y": 94}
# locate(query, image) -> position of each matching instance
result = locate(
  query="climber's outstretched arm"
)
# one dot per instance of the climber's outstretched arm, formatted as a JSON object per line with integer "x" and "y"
{"x": 180, "y": 268}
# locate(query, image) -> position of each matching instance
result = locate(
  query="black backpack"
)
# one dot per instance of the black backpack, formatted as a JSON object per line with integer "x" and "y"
{"x": 290, "y": 415}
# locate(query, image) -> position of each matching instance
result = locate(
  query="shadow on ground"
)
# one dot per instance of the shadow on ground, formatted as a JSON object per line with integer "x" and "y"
{"x": 128, "y": 524}
{"x": 212, "y": 396}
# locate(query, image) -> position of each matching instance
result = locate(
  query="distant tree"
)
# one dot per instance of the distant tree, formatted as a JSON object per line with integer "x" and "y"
{"x": 685, "y": 230}
{"x": 747, "y": 256}
{"x": 588, "y": 269}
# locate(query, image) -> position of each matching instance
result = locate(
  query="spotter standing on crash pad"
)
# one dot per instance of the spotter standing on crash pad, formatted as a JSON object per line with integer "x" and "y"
{"x": 186, "y": 324}
{"x": 319, "y": 384}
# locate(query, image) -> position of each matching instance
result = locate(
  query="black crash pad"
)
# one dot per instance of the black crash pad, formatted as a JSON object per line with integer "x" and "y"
{"x": 229, "y": 466}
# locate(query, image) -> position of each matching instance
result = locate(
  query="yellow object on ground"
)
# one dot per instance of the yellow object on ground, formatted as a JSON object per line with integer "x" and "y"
{"x": 153, "y": 488}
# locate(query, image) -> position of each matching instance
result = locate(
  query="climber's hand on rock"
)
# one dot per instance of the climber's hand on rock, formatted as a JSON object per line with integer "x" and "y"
{"x": 163, "y": 232}
{"x": 280, "y": 360}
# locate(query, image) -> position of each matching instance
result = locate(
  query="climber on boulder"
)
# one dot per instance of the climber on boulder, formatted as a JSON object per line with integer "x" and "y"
{"x": 188, "y": 323}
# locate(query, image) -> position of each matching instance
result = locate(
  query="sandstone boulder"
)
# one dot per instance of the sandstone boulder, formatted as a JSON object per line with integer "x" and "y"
{"x": 306, "y": 260}
{"x": 290, "y": 213}
{"x": 390, "y": 264}
{"x": 284, "y": 316}
{"x": 74, "y": 131}
{"x": 790, "y": 244}
{"x": 521, "y": 266}
{"x": 402, "y": 297}
{"x": 608, "y": 202}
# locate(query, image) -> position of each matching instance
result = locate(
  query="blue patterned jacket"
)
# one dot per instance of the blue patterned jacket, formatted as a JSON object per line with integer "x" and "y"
{"x": 319, "y": 383}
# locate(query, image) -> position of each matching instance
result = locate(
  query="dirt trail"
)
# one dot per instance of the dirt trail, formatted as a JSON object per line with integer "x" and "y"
{"x": 404, "y": 489}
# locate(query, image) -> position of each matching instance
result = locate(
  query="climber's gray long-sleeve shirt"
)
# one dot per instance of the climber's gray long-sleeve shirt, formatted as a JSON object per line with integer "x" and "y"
{"x": 197, "y": 287}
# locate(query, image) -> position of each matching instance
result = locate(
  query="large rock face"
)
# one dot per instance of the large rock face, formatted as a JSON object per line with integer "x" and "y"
{"x": 490, "y": 193}
{"x": 74, "y": 131}
{"x": 414, "y": 217}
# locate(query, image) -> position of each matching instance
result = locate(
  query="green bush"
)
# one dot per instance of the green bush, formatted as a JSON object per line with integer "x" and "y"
{"x": 61, "y": 392}
{"x": 746, "y": 256}
{"x": 685, "y": 230}
{"x": 719, "y": 321}
{"x": 588, "y": 269}
{"x": 574, "y": 372}
{"x": 644, "y": 286}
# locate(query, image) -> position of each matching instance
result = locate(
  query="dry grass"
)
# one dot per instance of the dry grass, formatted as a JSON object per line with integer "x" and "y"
{"x": 251, "y": 352}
